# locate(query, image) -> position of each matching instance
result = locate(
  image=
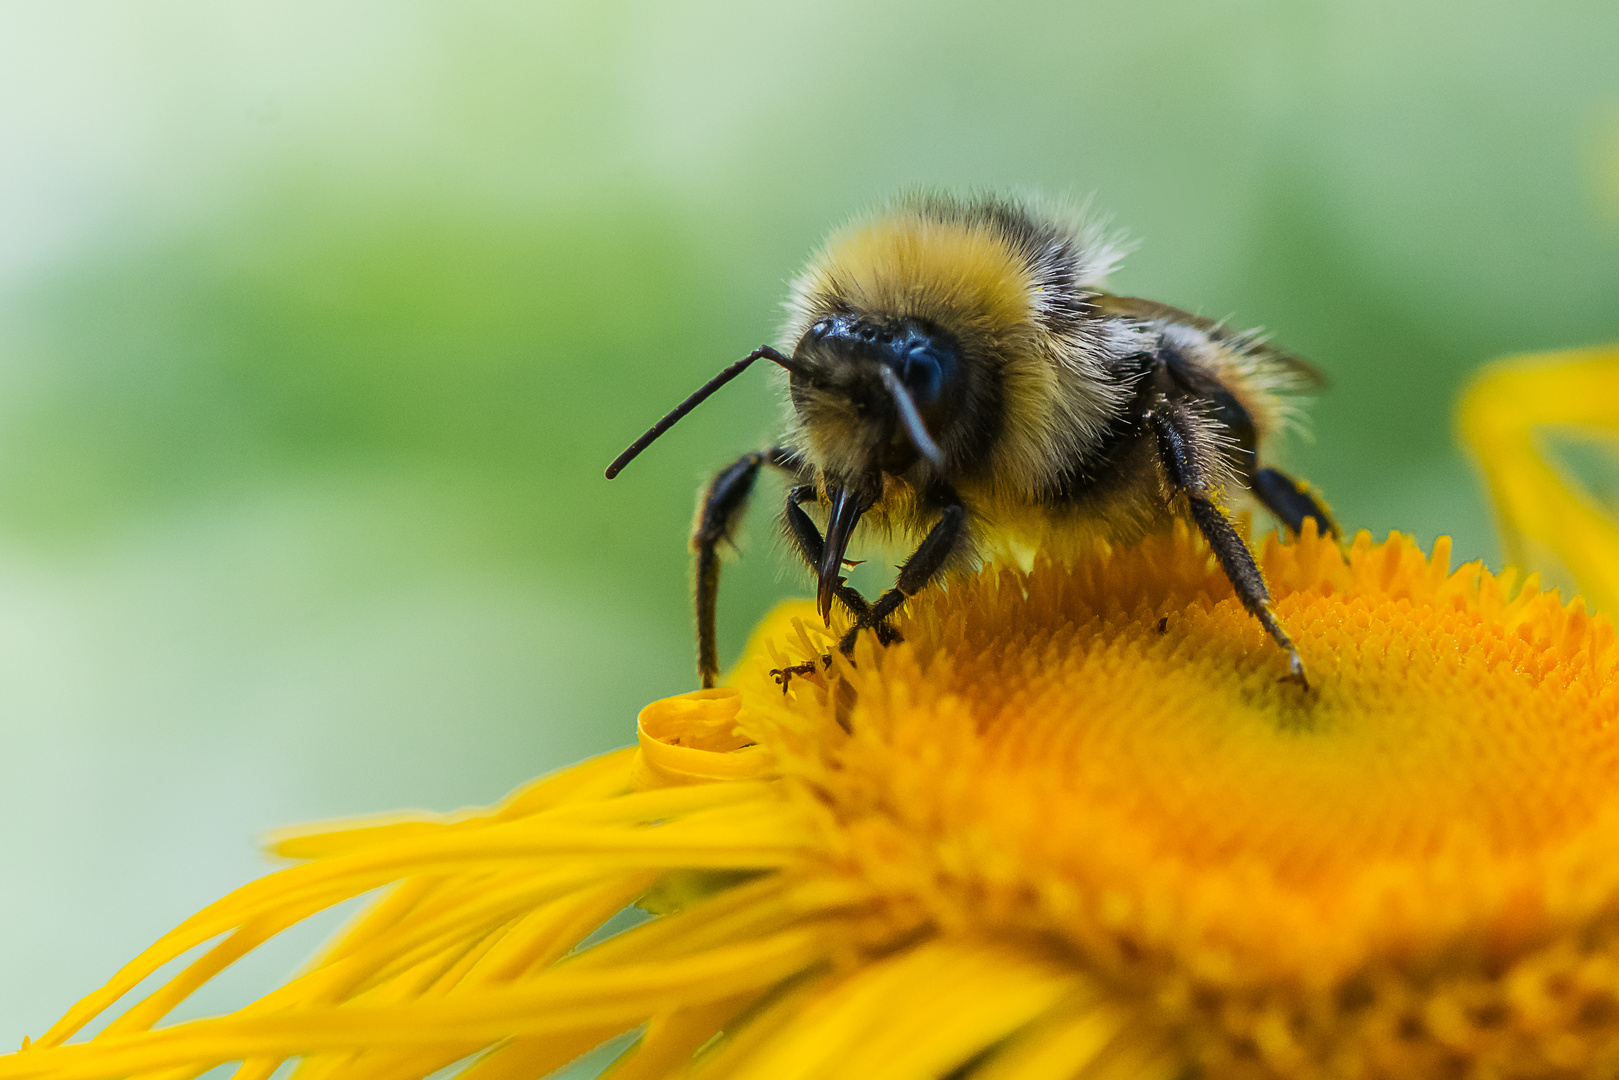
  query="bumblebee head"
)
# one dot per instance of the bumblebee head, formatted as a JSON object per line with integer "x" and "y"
{"x": 873, "y": 393}
{"x": 925, "y": 344}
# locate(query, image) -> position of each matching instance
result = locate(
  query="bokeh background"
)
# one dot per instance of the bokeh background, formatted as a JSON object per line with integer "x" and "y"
{"x": 319, "y": 320}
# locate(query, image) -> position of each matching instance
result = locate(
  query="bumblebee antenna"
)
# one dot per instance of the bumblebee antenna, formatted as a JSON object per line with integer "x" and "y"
{"x": 701, "y": 395}
{"x": 914, "y": 427}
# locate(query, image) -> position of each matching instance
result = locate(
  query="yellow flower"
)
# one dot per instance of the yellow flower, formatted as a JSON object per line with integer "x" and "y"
{"x": 1075, "y": 825}
{"x": 1545, "y": 521}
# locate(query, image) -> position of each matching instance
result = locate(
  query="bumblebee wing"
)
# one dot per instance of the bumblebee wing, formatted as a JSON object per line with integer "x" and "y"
{"x": 1310, "y": 379}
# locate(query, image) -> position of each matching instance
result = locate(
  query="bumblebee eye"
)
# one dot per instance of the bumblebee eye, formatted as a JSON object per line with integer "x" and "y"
{"x": 922, "y": 372}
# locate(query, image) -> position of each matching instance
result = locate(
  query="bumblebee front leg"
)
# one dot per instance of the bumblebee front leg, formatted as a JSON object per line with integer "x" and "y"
{"x": 923, "y": 566}
{"x": 722, "y": 506}
{"x": 811, "y": 545}
{"x": 1185, "y": 451}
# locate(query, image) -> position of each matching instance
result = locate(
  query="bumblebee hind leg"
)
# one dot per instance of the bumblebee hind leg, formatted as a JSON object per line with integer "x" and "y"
{"x": 1292, "y": 502}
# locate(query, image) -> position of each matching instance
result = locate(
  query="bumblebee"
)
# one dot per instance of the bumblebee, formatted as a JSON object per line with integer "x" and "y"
{"x": 959, "y": 378}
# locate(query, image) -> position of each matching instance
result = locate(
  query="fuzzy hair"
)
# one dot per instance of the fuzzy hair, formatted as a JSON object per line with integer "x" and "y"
{"x": 1011, "y": 280}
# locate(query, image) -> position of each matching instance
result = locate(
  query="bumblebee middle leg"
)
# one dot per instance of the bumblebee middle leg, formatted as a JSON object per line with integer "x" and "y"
{"x": 722, "y": 505}
{"x": 1183, "y": 450}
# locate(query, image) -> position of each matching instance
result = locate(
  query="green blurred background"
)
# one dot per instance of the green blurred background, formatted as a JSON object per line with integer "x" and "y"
{"x": 318, "y": 322}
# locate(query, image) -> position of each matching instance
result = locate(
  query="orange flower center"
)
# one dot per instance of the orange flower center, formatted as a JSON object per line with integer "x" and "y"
{"x": 1104, "y": 750}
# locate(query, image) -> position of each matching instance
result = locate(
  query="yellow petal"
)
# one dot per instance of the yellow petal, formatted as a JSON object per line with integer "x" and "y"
{"x": 1545, "y": 520}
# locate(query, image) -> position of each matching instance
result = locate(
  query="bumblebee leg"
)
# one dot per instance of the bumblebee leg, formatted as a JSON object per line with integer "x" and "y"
{"x": 1181, "y": 455}
{"x": 1288, "y": 500}
{"x": 922, "y": 567}
{"x": 722, "y": 505}
{"x": 811, "y": 544}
